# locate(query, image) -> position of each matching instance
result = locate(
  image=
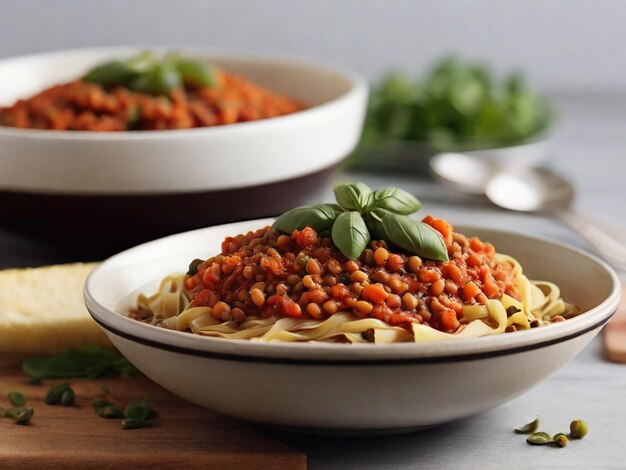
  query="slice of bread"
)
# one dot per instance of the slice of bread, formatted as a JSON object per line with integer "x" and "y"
{"x": 42, "y": 310}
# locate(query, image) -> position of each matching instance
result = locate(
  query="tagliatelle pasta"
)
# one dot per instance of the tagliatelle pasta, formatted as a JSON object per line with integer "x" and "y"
{"x": 270, "y": 287}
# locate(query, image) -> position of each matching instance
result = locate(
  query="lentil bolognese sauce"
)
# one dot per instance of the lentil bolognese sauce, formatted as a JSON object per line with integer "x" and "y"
{"x": 144, "y": 93}
{"x": 269, "y": 285}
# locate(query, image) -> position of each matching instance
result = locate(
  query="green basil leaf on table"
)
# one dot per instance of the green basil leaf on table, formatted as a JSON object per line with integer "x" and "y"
{"x": 350, "y": 234}
{"x": 353, "y": 196}
{"x": 415, "y": 237}
{"x": 319, "y": 217}
{"x": 89, "y": 361}
{"x": 396, "y": 200}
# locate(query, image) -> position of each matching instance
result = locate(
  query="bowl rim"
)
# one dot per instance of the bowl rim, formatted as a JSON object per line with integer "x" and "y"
{"x": 335, "y": 354}
{"x": 358, "y": 85}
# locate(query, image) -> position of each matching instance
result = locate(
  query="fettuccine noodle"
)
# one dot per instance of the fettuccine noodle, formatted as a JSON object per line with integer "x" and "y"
{"x": 540, "y": 302}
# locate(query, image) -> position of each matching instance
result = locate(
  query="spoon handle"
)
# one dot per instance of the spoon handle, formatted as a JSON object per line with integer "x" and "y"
{"x": 609, "y": 241}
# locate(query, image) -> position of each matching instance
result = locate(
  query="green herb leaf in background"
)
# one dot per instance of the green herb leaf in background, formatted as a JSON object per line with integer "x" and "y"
{"x": 353, "y": 196}
{"x": 196, "y": 73}
{"x": 89, "y": 361}
{"x": 110, "y": 74}
{"x": 319, "y": 217}
{"x": 160, "y": 80}
{"x": 415, "y": 237}
{"x": 142, "y": 62}
{"x": 145, "y": 73}
{"x": 350, "y": 234}
{"x": 456, "y": 106}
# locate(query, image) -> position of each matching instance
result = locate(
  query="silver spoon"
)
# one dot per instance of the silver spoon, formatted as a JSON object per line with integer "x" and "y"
{"x": 528, "y": 189}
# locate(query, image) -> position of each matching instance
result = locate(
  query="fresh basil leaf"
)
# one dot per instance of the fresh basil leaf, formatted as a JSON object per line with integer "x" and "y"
{"x": 110, "y": 74}
{"x": 196, "y": 73}
{"x": 319, "y": 217}
{"x": 396, "y": 200}
{"x": 160, "y": 80}
{"x": 142, "y": 62}
{"x": 413, "y": 236}
{"x": 373, "y": 221}
{"x": 353, "y": 196}
{"x": 350, "y": 234}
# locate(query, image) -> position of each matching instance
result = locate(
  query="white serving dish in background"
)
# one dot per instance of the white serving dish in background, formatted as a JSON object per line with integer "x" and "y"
{"x": 99, "y": 192}
{"x": 340, "y": 387}
{"x": 212, "y": 158}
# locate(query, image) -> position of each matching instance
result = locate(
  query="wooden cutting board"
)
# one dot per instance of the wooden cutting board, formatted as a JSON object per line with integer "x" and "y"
{"x": 615, "y": 333}
{"x": 185, "y": 436}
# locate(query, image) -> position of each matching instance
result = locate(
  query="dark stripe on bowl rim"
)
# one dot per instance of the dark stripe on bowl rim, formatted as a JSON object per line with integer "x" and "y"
{"x": 348, "y": 362}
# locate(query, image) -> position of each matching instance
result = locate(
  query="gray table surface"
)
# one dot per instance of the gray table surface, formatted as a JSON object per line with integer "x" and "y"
{"x": 588, "y": 146}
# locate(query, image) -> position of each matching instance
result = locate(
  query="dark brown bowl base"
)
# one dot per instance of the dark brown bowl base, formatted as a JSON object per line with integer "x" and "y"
{"x": 89, "y": 227}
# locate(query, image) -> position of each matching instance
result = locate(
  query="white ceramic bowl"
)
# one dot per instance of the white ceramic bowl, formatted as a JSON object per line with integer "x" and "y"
{"x": 353, "y": 388}
{"x": 214, "y": 158}
{"x": 58, "y": 185}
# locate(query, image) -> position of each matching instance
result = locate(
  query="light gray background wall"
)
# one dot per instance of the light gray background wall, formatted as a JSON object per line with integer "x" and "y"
{"x": 563, "y": 44}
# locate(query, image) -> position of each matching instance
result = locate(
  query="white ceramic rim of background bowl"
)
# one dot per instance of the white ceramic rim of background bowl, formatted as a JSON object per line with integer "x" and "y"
{"x": 183, "y": 161}
{"x": 342, "y": 354}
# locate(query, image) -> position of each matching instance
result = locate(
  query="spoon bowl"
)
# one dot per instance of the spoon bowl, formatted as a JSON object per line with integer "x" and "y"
{"x": 529, "y": 190}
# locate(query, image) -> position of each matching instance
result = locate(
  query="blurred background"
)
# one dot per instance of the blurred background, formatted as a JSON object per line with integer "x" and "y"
{"x": 567, "y": 51}
{"x": 564, "y": 45}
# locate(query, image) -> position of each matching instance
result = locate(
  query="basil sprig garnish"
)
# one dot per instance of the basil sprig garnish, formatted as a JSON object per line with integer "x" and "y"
{"x": 362, "y": 214}
{"x": 145, "y": 73}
